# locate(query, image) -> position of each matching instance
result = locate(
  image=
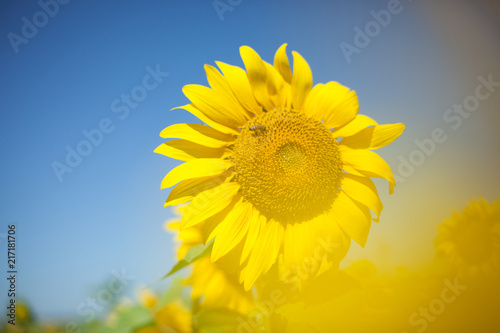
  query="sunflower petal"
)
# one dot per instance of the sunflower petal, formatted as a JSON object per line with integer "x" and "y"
{"x": 312, "y": 102}
{"x": 256, "y": 222}
{"x": 369, "y": 164}
{"x": 230, "y": 262}
{"x": 209, "y": 225}
{"x": 187, "y": 189}
{"x": 264, "y": 254}
{"x": 214, "y": 105}
{"x": 195, "y": 168}
{"x": 207, "y": 120}
{"x": 238, "y": 81}
{"x": 334, "y": 240}
{"x": 219, "y": 84}
{"x": 209, "y": 203}
{"x": 231, "y": 230}
{"x": 338, "y": 105}
{"x": 374, "y": 137}
{"x": 302, "y": 81}
{"x": 256, "y": 72}
{"x": 197, "y": 133}
{"x": 363, "y": 190}
{"x": 354, "y": 126}
{"x": 349, "y": 169}
{"x": 186, "y": 150}
{"x": 282, "y": 65}
{"x": 276, "y": 87}
{"x": 298, "y": 244}
{"x": 352, "y": 217}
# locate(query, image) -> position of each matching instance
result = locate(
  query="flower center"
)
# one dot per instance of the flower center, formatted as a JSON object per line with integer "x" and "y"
{"x": 288, "y": 165}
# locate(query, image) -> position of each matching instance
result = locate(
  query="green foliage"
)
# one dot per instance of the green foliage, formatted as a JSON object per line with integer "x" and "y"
{"x": 193, "y": 254}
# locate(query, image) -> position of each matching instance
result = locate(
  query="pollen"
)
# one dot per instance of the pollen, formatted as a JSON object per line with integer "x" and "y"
{"x": 288, "y": 165}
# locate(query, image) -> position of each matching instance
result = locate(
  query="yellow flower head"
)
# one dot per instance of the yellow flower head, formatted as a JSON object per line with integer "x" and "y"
{"x": 147, "y": 298}
{"x": 281, "y": 167}
{"x": 22, "y": 312}
{"x": 173, "y": 317}
{"x": 470, "y": 240}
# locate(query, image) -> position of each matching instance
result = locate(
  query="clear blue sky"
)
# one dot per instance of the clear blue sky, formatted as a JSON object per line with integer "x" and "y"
{"x": 107, "y": 214}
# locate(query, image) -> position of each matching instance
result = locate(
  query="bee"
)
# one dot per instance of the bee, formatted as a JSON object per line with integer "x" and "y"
{"x": 257, "y": 128}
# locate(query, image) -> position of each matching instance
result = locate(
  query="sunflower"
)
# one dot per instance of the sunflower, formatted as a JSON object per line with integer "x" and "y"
{"x": 470, "y": 240}
{"x": 280, "y": 166}
{"x": 147, "y": 298}
{"x": 170, "y": 318}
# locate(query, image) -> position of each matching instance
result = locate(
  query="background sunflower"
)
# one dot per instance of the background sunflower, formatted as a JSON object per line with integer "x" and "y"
{"x": 470, "y": 240}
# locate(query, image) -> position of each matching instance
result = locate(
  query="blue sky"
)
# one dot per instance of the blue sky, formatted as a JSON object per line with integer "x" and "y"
{"x": 107, "y": 214}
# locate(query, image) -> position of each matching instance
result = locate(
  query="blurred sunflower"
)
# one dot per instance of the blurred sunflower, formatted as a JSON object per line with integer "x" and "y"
{"x": 281, "y": 165}
{"x": 471, "y": 240}
{"x": 172, "y": 317}
{"x": 147, "y": 298}
{"x": 22, "y": 312}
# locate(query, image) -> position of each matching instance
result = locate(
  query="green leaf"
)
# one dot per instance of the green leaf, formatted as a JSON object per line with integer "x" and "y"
{"x": 193, "y": 254}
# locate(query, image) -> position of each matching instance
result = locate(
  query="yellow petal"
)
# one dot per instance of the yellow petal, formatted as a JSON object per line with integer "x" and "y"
{"x": 368, "y": 163}
{"x": 352, "y": 217}
{"x": 313, "y": 100}
{"x": 172, "y": 225}
{"x": 317, "y": 243}
{"x": 298, "y": 245}
{"x": 195, "y": 168}
{"x": 256, "y": 222}
{"x": 264, "y": 253}
{"x": 338, "y": 105}
{"x": 256, "y": 72}
{"x": 363, "y": 190}
{"x": 209, "y": 226}
{"x": 207, "y": 120}
{"x": 197, "y": 133}
{"x": 275, "y": 87}
{"x": 301, "y": 82}
{"x": 238, "y": 81}
{"x": 374, "y": 137}
{"x": 219, "y": 84}
{"x": 189, "y": 188}
{"x": 186, "y": 150}
{"x": 214, "y": 105}
{"x": 209, "y": 203}
{"x": 282, "y": 65}
{"x": 352, "y": 171}
{"x": 231, "y": 230}
{"x": 334, "y": 241}
{"x": 230, "y": 262}
{"x": 354, "y": 126}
